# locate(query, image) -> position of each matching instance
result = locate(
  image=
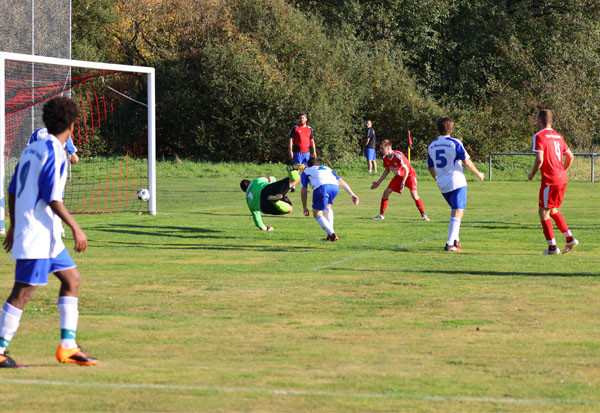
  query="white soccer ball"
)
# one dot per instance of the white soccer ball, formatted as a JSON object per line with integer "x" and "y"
{"x": 143, "y": 194}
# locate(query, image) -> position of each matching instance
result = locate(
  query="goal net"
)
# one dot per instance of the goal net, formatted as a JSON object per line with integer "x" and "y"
{"x": 114, "y": 134}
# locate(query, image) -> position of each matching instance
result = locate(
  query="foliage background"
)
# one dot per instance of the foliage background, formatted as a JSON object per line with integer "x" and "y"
{"x": 233, "y": 75}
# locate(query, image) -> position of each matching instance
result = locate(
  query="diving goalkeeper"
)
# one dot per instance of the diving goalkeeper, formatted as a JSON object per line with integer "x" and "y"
{"x": 269, "y": 196}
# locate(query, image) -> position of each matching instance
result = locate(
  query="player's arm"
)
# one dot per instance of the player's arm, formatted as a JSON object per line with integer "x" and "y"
{"x": 405, "y": 167}
{"x": 537, "y": 164}
{"x": 80, "y": 238}
{"x": 291, "y": 147}
{"x": 313, "y": 146}
{"x": 304, "y": 198}
{"x": 257, "y": 218}
{"x": 10, "y": 234}
{"x": 469, "y": 164}
{"x": 568, "y": 159}
{"x": 347, "y": 188}
{"x": 384, "y": 174}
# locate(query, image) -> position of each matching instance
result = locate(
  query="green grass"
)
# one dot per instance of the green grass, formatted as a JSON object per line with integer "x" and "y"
{"x": 196, "y": 310}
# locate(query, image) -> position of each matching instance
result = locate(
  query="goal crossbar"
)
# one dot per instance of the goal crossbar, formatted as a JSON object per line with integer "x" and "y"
{"x": 151, "y": 100}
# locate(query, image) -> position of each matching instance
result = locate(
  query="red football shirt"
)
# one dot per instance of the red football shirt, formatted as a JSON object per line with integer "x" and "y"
{"x": 397, "y": 162}
{"x": 302, "y": 136}
{"x": 552, "y": 144}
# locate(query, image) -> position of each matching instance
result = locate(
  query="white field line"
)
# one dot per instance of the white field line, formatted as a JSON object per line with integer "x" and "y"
{"x": 292, "y": 392}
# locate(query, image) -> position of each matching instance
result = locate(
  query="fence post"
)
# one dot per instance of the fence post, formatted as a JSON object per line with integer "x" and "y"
{"x": 490, "y": 167}
{"x": 592, "y": 168}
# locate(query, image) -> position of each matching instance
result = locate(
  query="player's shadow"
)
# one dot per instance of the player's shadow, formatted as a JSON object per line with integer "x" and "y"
{"x": 232, "y": 247}
{"x": 511, "y": 273}
{"x": 165, "y": 231}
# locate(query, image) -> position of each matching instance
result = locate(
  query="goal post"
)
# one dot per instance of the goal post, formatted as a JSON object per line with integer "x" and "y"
{"x": 111, "y": 130}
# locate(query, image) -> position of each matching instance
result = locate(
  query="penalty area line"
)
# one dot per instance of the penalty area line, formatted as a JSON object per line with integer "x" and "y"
{"x": 292, "y": 392}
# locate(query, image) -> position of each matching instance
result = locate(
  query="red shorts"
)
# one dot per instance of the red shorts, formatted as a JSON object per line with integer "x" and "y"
{"x": 551, "y": 196}
{"x": 396, "y": 183}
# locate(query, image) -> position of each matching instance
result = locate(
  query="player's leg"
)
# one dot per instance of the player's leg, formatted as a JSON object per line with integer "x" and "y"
{"x": 547, "y": 201}
{"x": 457, "y": 200}
{"x": 300, "y": 158}
{"x": 385, "y": 199}
{"x": 556, "y": 196}
{"x": 322, "y": 200}
{"x": 29, "y": 274}
{"x": 329, "y": 214}
{"x": 68, "y": 351}
{"x": 411, "y": 184}
{"x": 273, "y": 199}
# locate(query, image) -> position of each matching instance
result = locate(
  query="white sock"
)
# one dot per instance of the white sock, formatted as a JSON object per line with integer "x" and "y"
{"x": 324, "y": 223}
{"x": 69, "y": 315}
{"x": 453, "y": 230}
{"x": 329, "y": 215}
{"x": 9, "y": 324}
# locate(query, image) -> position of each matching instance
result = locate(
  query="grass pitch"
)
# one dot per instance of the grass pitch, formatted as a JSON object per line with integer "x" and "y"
{"x": 196, "y": 310}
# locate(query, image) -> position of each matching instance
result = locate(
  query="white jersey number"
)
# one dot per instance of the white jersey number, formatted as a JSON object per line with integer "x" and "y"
{"x": 557, "y": 151}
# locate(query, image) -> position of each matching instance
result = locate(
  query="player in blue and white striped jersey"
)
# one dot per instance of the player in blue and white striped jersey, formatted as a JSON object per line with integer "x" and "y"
{"x": 36, "y": 210}
{"x": 445, "y": 158}
{"x": 42, "y": 133}
{"x": 325, "y": 184}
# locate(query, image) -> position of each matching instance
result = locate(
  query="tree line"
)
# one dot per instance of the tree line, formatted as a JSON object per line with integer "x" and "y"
{"x": 233, "y": 75}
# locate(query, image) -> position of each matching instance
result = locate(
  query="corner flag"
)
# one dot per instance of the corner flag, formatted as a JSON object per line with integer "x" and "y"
{"x": 409, "y": 145}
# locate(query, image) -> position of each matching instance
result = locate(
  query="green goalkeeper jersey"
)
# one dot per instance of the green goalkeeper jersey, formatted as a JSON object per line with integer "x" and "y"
{"x": 253, "y": 197}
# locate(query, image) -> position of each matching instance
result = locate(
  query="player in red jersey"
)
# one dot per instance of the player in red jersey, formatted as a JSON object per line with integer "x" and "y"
{"x": 404, "y": 176}
{"x": 301, "y": 141}
{"x": 549, "y": 148}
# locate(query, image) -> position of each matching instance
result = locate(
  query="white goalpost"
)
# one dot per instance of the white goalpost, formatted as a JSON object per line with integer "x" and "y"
{"x": 111, "y": 129}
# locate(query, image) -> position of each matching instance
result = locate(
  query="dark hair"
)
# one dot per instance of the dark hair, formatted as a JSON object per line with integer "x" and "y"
{"x": 545, "y": 115}
{"x": 313, "y": 162}
{"x": 244, "y": 184}
{"x": 445, "y": 125}
{"x": 386, "y": 142}
{"x": 59, "y": 113}
{"x": 303, "y": 114}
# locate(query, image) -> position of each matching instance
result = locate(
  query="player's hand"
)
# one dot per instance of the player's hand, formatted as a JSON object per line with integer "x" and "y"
{"x": 80, "y": 240}
{"x": 375, "y": 185}
{"x": 401, "y": 188}
{"x": 292, "y": 155}
{"x": 531, "y": 175}
{"x": 481, "y": 176}
{"x": 306, "y": 212}
{"x": 74, "y": 158}
{"x": 355, "y": 199}
{"x": 9, "y": 239}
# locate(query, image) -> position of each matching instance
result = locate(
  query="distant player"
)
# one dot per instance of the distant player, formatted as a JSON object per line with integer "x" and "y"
{"x": 269, "y": 196}
{"x": 36, "y": 210}
{"x": 404, "y": 176}
{"x": 42, "y": 133}
{"x": 549, "y": 148}
{"x": 325, "y": 184}
{"x": 445, "y": 157}
{"x": 369, "y": 146}
{"x": 302, "y": 140}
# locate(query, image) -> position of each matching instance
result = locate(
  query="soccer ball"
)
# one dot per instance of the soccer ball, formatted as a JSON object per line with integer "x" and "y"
{"x": 143, "y": 194}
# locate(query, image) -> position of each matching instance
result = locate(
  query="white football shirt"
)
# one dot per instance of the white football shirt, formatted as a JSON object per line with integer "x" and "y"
{"x": 40, "y": 178}
{"x": 446, "y": 155}
{"x": 319, "y": 175}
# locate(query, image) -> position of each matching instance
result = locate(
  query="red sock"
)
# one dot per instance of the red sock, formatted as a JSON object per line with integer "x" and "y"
{"x": 419, "y": 204}
{"x": 560, "y": 222}
{"x": 383, "y": 207}
{"x": 548, "y": 230}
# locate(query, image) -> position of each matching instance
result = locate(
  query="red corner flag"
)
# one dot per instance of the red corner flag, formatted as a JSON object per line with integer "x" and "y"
{"x": 409, "y": 140}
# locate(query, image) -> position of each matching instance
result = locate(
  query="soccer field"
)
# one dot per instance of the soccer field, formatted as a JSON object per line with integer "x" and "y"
{"x": 194, "y": 309}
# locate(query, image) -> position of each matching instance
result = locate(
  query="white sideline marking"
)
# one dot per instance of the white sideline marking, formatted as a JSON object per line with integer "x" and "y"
{"x": 292, "y": 392}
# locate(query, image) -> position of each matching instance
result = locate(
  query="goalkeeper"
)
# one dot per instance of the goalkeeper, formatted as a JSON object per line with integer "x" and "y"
{"x": 269, "y": 196}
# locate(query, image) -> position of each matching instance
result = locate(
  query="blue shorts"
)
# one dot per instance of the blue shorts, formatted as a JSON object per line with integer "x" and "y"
{"x": 35, "y": 271}
{"x": 324, "y": 195}
{"x": 457, "y": 199}
{"x": 301, "y": 157}
{"x": 370, "y": 154}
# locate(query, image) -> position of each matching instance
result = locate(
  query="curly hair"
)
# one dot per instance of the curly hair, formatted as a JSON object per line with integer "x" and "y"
{"x": 59, "y": 113}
